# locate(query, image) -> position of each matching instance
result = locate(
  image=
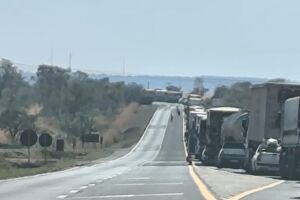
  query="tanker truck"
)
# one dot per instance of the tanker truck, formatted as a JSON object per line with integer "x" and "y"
{"x": 215, "y": 118}
{"x": 233, "y": 134}
{"x": 265, "y": 118}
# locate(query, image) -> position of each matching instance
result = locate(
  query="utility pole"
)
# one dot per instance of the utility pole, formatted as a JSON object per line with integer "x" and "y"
{"x": 51, "y": 57}
{"x": 124, "y": 65}
{"x": 70, "y": 61}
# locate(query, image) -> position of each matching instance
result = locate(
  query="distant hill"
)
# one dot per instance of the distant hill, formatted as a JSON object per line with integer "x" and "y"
{"x": 186, "y": 83}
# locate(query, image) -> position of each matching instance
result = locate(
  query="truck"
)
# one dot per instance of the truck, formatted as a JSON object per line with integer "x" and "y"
{"x": 200, "y": 128}
{"x": 215, "y": 118}
{"x": 234, "y": 128}
{"x": 192, "y": 137}
{"x": 233, "y": 134}
{"x": 290, "y": 140}
{"x": 266, "y": 108}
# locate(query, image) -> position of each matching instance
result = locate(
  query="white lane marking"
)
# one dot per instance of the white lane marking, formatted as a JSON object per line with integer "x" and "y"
{"x": 179, "y": 183}
{"x": 74, "y": 191}
{"x": 140, "y": 178}
{"x": 92, "y": 185}
{"x": 142, "y": 184}
{"x": 130, "y": 184}
{"x": 99, "y": 181}
{"x": 83, "y": 187}
{"x": 61, "y": 196}
{"x": 129, "y": 196}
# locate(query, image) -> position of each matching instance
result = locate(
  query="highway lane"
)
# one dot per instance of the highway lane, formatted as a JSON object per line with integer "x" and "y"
{"x": 164, "y": 177}
{"x": 154, "y": 169}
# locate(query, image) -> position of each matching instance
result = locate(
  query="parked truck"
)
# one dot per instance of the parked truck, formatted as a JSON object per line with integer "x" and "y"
{"x": 266, "y": 109}
{"x": 233, "y": 135}
{"x": 192, "y": 137}
{"x": 215, "y": 118}
{"x": 290, "y": 142}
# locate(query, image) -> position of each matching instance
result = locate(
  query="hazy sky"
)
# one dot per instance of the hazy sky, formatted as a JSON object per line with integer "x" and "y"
{"x": 259, "y": 38}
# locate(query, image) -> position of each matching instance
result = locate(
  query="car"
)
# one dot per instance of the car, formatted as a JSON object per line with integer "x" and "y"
{"x": 232, "y": 155}
{"x": 266, "y": 159}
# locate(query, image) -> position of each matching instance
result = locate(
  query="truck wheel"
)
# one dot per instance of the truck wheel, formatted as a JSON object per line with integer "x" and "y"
{"x": 220, "y": 165}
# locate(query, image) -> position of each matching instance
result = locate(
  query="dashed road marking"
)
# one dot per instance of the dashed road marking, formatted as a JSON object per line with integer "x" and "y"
{"x": 99, "y": 181}
{"x": 130, "y": 196}
{"x": 140, "y": 178}
{"x": 61, "y": 196}
{"x": 74, "y": 191}
{"x": 130, "y": 184}
{"x": 92, "y": 184}
{"x": 83, "y": 187}
{"x": 143, "y": 184}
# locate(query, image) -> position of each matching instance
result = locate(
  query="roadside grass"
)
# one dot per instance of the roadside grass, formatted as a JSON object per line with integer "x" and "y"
{"x": 65, "y": 160}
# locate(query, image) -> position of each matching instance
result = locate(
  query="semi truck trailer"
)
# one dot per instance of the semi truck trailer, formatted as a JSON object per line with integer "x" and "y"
{"x": 266, "y": 108}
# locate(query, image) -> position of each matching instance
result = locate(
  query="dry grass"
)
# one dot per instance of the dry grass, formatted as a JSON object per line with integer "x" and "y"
{"x": 121, "y": 132}
{"x": 120, "y": 124}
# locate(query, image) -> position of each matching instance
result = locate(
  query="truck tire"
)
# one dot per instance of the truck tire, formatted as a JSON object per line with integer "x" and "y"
{"x": 220, "y": 164}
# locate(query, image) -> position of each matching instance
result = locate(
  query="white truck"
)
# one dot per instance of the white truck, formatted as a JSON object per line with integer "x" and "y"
{"x": 215, "y": 118}
{"x": 233, "y": 134}
{"x": 290, "y": 152}
{"x": 265, "y": 114}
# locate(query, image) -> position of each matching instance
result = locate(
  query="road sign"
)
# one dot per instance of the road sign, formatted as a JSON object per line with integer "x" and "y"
{"x": 45, "y": 140}
{"x": 60, "y": 144}
{"x": 90, "y": 138}
{"x": 28, "y": 138}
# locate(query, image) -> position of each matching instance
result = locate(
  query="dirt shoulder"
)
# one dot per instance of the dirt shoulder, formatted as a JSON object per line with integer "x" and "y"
{"x": 13, "y": 161}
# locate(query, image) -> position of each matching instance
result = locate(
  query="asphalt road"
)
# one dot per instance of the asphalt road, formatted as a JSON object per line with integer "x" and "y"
{"x": 154, "y": 169}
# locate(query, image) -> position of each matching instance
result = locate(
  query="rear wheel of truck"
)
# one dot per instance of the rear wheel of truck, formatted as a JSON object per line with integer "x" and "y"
{"x": 220, "y": 164}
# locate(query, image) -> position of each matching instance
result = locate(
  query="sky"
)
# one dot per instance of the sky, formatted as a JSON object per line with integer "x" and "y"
{"x": 257, "y": 38}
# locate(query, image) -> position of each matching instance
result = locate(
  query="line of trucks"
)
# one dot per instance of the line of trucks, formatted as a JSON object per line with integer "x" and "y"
{"x": 264, "y": 138}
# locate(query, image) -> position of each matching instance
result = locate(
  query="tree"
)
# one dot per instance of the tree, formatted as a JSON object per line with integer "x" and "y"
{"x": 52, "y": 82}
{"x": 237, "y": 95}
{"x": 198, "y": 87}
{"x": 13, "y": 89}
{"x": 278, "y": 80}
{"x": 13, "y": 121}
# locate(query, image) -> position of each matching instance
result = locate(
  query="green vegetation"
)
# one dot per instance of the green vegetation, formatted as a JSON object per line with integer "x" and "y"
{"x": 237, "y": 95}
{"x": 130, "y": 134}
{"x": 72, "y": 98}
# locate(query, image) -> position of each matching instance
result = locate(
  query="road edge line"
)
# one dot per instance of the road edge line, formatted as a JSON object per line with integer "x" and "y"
{"x": 202, "y": 187}
{"x": 247, "y": 193}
